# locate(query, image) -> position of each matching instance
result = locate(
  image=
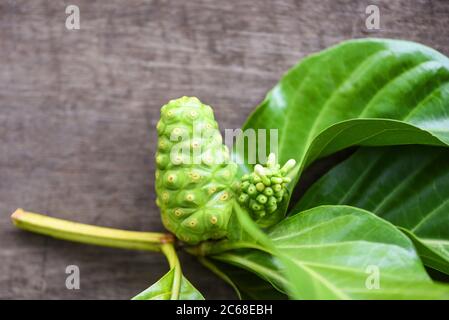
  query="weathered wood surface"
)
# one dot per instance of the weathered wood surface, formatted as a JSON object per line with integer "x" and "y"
{"x": 78, "y": 111}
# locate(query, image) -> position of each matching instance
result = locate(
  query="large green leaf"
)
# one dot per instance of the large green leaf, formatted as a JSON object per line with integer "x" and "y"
{"x": 407, "y": 185}
{"x": 361, "y": 92}
{"x": 162, "y": 289}
{"x": 332, "y": 252}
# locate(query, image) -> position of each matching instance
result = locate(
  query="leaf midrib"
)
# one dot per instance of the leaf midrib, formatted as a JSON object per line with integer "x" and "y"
{"x": 315, "y": 275}
{"x": 428, "y": 215}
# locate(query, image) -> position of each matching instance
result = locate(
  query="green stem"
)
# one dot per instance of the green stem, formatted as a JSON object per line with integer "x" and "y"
{"x": 109, "y": 237}
{"x": 252, "y": 229}
{"x": 169, "y": 251}
{"x": 148, "y": 294}
{"x": 84, "y": 233}
{"x": 212, "y": 267}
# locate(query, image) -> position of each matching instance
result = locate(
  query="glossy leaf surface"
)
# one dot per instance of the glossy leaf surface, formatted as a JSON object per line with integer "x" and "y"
{"x": 334, "y": 252}
{"x": 407, "y": 185}
{"x": 162, "y": 289}
{"x": 360, "y": 92}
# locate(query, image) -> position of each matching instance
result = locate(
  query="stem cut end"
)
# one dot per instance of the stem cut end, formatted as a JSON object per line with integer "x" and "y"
{"x": 16, "y": 216}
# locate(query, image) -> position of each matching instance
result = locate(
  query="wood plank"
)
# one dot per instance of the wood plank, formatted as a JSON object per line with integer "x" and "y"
{"x": 78, "y": 111}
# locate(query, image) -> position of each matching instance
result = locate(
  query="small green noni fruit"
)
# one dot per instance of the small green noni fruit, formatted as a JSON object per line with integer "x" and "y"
{"x": 194, "y": 175}
{"x": 262, "y": 191}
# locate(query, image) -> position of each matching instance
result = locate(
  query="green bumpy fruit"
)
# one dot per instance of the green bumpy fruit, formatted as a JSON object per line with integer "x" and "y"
{"x": 194, "y": 176}
{"x": 262, "y": 191}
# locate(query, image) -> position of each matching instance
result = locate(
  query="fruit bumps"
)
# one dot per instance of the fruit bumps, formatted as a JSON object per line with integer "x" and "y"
{"x": 194, "y": 175}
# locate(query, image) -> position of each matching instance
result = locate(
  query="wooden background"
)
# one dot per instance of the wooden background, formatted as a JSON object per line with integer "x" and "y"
{"x": 78, "y": 111}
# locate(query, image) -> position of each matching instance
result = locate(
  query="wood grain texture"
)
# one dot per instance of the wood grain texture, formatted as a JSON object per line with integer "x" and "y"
{"x": 78, "y": 111}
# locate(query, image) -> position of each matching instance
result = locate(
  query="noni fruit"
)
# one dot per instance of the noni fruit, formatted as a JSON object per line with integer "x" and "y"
{"x": 194, "y": 176}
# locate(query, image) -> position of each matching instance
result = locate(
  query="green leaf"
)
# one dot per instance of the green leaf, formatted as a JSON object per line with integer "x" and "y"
{"x": 247, "y": 285}
{"x": 407, "y": 185}
{"x": 162, "y": 289}
{"x": 334, "y": 252}
{"x": 434, "y": 253}
{"x": 361, "y": 92}
{"x": 173, "y": 285}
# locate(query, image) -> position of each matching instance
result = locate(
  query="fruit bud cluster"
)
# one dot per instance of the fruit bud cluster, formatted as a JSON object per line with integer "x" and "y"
{"x": 262, "y": 191}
